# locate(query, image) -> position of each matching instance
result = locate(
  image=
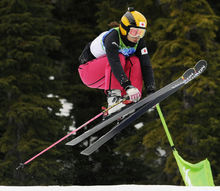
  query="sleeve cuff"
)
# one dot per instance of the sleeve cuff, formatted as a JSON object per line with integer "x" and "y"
{"x": 125, "y": 84}
{"x": 150, "y": 88}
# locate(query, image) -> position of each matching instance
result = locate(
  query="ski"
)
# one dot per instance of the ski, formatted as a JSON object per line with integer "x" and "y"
{"x": 189, "y": 75}
{"x": 177, "y": 83}
{"x": 123, "y": 112}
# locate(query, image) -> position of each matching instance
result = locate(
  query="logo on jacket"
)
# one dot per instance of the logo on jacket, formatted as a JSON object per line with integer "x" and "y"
{"x": 144, "y": 51}
{"x": 114, "y": 43}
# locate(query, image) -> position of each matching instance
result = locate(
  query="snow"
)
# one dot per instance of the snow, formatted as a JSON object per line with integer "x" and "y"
{"x": 66, "y": 107}
{"x": 161, "y": 151}
{"x": 108, "y": 188}
{"x": 51, "y": 78}
{"x": 139, "y": 125}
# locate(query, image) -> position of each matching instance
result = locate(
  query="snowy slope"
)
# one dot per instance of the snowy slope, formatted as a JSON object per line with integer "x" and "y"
{"x": 108, "y": 188}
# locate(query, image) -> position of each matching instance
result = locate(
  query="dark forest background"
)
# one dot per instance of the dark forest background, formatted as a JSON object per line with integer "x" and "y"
{"x": 40, "y": 42}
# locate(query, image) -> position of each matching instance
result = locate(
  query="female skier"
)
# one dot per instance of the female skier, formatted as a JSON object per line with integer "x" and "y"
{"x": 118, "y": 61}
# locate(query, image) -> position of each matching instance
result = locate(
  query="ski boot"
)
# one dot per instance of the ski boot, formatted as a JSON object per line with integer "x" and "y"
{"x": 113, "y": 97}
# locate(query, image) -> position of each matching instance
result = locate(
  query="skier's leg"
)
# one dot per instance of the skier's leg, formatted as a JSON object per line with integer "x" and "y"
{"x": 92, "y": 73}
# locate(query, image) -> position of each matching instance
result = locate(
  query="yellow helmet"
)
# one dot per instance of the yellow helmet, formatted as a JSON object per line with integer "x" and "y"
{"x": 132, "y": 18}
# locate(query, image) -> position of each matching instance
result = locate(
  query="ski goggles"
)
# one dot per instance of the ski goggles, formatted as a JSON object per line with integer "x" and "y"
{"x": 136, "y": 32}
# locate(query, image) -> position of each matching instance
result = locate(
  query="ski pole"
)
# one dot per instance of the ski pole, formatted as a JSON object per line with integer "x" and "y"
{"x": 21, "y": 165}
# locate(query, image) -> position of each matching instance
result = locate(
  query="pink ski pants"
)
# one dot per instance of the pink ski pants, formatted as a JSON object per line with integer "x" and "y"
{"x": 97, "y": 73}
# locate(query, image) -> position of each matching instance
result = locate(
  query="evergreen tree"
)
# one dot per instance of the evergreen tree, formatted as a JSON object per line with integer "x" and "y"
{"x": 75, "y": 34}
{"x": 76, "y": 21}
{"x": 37, "y": 46}
{"x": 186, "y": 34}
{"x": 108, "y": 12}
{"x": 29, "y": 120}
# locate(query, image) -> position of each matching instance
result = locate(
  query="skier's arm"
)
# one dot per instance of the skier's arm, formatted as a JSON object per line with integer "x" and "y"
{"x": 147, "y": 71}
{"x": 111, "y": 43}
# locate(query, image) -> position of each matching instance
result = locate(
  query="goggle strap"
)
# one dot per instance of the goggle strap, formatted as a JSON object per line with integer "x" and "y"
{"x": 130, "y": 26}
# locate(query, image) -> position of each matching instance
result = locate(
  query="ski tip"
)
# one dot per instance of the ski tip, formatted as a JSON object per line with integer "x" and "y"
{"x": 201, "y": 63}
{"x": 200, "y": 67}
{"x": 204, "y": 62}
